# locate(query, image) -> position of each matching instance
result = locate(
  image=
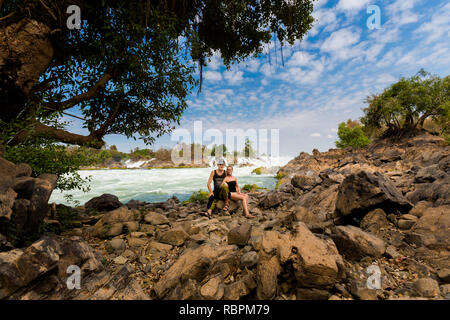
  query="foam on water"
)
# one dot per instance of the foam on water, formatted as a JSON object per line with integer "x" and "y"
{"x": 154, "y": 185}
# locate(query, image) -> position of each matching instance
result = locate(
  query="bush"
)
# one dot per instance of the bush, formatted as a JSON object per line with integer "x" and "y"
{"x": 198, "y": 196}
{"x": 352, "y": 135}
{"x": 257, "y": 171}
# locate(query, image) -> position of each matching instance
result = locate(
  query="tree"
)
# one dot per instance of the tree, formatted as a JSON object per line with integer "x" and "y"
{"x": 249, "y": 152}
{"x": 131, "y": 67}
{"x": 405, "y": 105}
{"x": 219, "y": 151}
{"x": 352, "y": 135}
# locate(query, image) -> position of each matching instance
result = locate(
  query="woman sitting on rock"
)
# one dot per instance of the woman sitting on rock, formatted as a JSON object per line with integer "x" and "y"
{"x": 231, "y": 183}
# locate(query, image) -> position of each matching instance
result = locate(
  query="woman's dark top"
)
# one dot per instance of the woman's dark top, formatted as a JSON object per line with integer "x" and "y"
{"x": 232, "y": 186}
{"x": 217, "y": 179}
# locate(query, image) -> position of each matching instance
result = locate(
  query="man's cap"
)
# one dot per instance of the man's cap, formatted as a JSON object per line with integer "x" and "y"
{"x": 220, "y": 161}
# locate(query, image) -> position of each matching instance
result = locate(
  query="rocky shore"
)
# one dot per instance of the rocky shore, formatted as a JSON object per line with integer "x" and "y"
{"x": 336, "y": 221}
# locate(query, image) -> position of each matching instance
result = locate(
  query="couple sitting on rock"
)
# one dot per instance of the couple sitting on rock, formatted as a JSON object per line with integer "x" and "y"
{"x": 226, "y": 188}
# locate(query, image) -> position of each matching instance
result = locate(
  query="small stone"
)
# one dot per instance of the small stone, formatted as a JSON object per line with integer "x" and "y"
{"x": 117, "y": 244}
{"x": 444, "y": 275}
{"x": 120, "y": 260}
{"x": 213, "y": 289}
{"x": 392, "y": 253}
{"x": 249, "y": 259}
{"x": 426, "y": 287}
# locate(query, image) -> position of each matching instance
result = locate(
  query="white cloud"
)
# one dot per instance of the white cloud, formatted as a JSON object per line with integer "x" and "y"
{"x": 341, "y": 39}
{"x": 212, "y": 76}
{"x": 234, "y": 76}
{"x": 438, "y": 27}
{"x": 352, "y": 5}
{"x": 315, "y": 134}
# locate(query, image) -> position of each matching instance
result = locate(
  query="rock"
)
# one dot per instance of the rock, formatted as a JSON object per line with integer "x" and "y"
{"x": 429, "y": 174}
{"x": 111, "y": 224}
{"x": 159, "y": 246}
{"x": 392, "y": 253}
{"x": 23, "y": 170}
{"x": 355, "y": 243}
{"x": 302, "y": 214}
{"x": 426, "y": 287}
{"x": 174, "y": 237}
{"x": 316, "y": 262}
{"x": 136, "y": 242}
{"x": 273, "y": 199}
{"x": 433, "y": 227}
{"x": 239, "y": 289}
{"x": 305, "y": 182}
{"x": 444, "y": 275}
{"x": 156, "y": 218}
{"x": 213, "y": 289}
{"x": 406, "y": 221}
{"x": 311, "y": 294}
{"x": 117, "y": 244}
{"x": 21, "y": 267}
{"x": 6, "y": 202}
{"x": 362, "y": 293}
{"x": 120, "y": 260}
{"x": 24, "y": 187}
{"x": 374, "y": 221}
{"x": 360, "y": 193}
{"x": 240, "y": 235}
{"x": 249, "y": 259}
{"x": 267, "y": 277}
{"x": 189, "y": 270}
{"x": 105, "y": 202}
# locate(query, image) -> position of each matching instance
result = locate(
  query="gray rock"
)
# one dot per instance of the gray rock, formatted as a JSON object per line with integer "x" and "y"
{"x": 105, "y": 202}
{"x": 249, "y": 259}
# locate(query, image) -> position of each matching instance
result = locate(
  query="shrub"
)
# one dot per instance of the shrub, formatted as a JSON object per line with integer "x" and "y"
{"x": 352, "y": 135}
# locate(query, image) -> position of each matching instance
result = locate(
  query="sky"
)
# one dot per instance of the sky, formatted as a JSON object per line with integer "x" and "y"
{"x": 323, "y": 81}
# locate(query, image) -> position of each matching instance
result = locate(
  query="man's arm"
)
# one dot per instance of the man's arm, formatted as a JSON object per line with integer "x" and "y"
{"x": 211, "y": 176}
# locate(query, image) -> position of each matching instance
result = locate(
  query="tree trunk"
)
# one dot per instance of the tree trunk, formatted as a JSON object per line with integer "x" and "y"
{"x": 25, "y": 53}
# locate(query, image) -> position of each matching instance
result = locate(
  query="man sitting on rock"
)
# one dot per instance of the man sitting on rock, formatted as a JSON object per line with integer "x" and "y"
{"x": 220, "y": 191}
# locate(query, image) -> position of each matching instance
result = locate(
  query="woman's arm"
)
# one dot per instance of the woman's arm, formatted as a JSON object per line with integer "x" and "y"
{"x": 237, "y": 187}
{"x": 211, "y": 176}
{"x": 224, "y": 182}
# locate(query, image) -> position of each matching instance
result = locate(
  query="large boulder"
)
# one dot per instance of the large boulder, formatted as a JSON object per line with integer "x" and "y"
{"x": 7, "y": 194}
{"x": 105, "y": 202}
{"x": 355, "y": 243}
{"x": 433, "y": 228}
{"x": 112, "y": 223}
{"x": 363, "y": 192}
{"x": 273, "y": 199}
{"x": 191, "y": 269}
{"x": 311, "y": 261}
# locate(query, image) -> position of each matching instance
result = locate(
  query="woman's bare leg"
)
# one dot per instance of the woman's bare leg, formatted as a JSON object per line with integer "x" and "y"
{"x": 244, "y": 199}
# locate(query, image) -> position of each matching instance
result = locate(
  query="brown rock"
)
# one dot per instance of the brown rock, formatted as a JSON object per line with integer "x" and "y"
{"x": 240, "y": 235}
{"x": 355, "y": 243}
{"x": 174, "y": 237}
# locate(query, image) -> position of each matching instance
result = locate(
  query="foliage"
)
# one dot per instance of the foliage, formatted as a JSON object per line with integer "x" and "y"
{"x": 198, "y": 196}
{"x": 131, "y": 68}
{"x": 249, "y": 152}
{"x": 257, "y": 171}
{"x": 219, "y": 151}
{"x": 351, "y": 134}
{"x": 251, "y": 187}
{"x": 44, "y": 156}
{"x": 405, "y": 105}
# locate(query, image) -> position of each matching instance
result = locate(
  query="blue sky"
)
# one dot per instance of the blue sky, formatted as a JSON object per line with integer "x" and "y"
{"x": 325, "y": 77}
